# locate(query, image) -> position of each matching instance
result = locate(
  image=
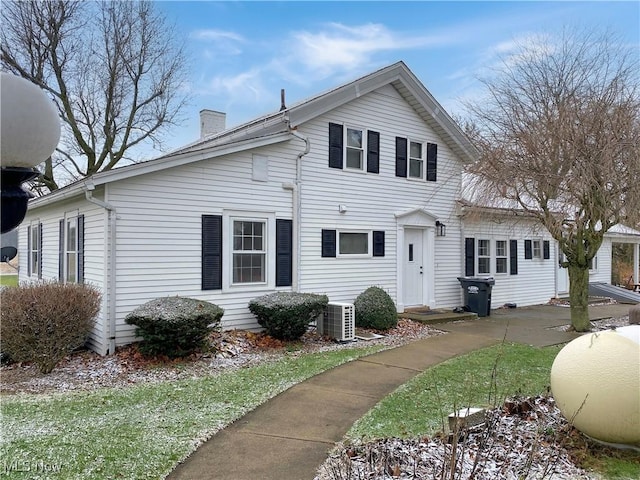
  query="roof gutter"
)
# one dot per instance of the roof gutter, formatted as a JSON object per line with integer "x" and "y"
{"x": 110, "y": 264}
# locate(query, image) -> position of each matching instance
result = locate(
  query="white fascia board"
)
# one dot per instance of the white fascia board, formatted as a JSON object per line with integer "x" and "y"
{"x": 156, "y": 165}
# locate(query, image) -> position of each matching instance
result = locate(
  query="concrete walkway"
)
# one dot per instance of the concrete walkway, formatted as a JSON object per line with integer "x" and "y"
{"x": 289, "y": 437}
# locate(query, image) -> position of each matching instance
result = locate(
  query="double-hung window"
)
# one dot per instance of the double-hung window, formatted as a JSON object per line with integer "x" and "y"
{"x": 501, "y": 256}
{"x": 416, "y": 160}
{"x": 536, "y": 248}
{"x": 34, "y": 235}
{"x": 484, "y": 256}
{"x": 249, "y": 252}
{"x": 354, "y": 148}
{"x": 71, "y": 250}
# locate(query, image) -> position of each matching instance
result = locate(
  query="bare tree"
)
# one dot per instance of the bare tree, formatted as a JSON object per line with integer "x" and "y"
{"x": 559, "y": 135}
{"x": 114, "y": 70}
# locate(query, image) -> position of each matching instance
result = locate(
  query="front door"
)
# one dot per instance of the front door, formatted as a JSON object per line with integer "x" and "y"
{"x": 413, "y": 282}
{"x": 562, "y": 275}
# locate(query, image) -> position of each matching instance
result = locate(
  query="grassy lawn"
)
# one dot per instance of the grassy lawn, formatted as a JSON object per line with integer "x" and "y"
{"x": 421, "y": 406}
{"x": 142, "y": 431}
{"x": 8, "y": 280}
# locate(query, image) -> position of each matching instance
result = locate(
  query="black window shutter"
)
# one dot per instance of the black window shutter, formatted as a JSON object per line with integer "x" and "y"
{"x": 30, "y": 257}
{"x": 80, "y": 230}
{"x": 546, "y": 250}
{"x": 432, "y": 161}
{"x": 469, "y": 257}
{"x": 401, "y": 157}
{"x": 513, "y": 257}
{"x": 528, "y": 251}
{"x": 211, "y": 252}
{"x": 61, "y": 251}
{"x": 40, "y": 250}
{"x": 328, "y": 243}
{"x": 378, "y": 243}
{"x": 373, "y": 152}
{"x": 284, "y": 250}
{"x": 335, "y": 145}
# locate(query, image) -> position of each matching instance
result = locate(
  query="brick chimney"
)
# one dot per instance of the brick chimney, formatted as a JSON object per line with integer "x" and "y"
{"x": 211, "y": 122}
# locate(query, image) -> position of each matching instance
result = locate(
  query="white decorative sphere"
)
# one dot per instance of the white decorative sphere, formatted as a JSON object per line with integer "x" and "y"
{"x": 30, "y": 124}
{"x": 595, "y": 381}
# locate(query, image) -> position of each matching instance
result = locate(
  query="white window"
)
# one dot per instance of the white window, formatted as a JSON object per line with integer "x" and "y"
{"x": 416, "y": 160}
{"x": 593, "y": 264}
{"x": 501, "y": 256}
{"x": 536, "y": 248}
{"x": 35, "y": 253}
{"x": 249, "y": 251}
{"x": 354, "y": 243}
{"x": 71, "y": 250}
{"x": 484, "y": 257}
{"x": 354, "y": 148}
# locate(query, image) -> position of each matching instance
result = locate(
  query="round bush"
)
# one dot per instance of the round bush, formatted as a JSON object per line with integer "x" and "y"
{"x": 44, "y": 321}
{"x": 375, "y": 309}
{"x": 286, "y": 315}
{"x": 174, "y": 326}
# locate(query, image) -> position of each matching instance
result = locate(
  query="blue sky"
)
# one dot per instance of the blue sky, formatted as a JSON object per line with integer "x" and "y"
{"x": 242, "y": 53}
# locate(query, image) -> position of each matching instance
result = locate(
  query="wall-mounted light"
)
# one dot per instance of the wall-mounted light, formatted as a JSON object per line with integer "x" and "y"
{"x": 30, "y": 134}
{"x": 342, "y": 208}
{"x": 441, "y": 229}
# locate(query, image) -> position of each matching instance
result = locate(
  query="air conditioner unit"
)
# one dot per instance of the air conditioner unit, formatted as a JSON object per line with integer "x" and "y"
{"x": 338, "y": 321}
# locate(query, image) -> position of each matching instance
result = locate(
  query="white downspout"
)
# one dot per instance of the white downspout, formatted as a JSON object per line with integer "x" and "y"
{"x": 111, "y": 289}
{"x": 297, "y": 213}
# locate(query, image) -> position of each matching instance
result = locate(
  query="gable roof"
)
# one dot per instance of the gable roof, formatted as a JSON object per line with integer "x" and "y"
{"x": 278, "y": 127}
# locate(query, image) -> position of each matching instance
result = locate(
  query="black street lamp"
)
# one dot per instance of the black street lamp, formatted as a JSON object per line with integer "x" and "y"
{"x": 30, "y": 129}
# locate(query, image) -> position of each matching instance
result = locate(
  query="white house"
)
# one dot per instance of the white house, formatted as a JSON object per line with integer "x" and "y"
{"x": 355, "y": 187}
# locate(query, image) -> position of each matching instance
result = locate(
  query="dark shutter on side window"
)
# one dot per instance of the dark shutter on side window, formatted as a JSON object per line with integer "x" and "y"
{"x": 284, "y": 250}
{"x": 432, "y": 161}
{"x": 335, "y": 145}
{"x": 546, "y": 250}
{"x": 40, "y": 250}
{"x": 469, "y": 257}
{"x": 513, "y": 257}
{"x": 80, "y": 230}
{"x": 401, "y": 157}
{"x": 61, "y": 251}
{"x": 29, "y": 257}
{"x": 373, "y": 152}
{"x": 528, "y": 250}
{"x": 328, "y": 243}
{"x": 211, "y": 252}
{"x": 378, "y": 244}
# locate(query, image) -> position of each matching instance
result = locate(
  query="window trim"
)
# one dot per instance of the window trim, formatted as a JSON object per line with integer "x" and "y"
{"x": 487, "y": 256}
{"x": 63, "y": 247}
{"x": 269, "y": 219}
{"x": 363, "y": 149}
{"x": 34, "y": 268}
{"x": 536, "y": 248}
{"x": 369, "y": 234}
{"x": 422, "y": 159}
{"x": 505, "y": 256}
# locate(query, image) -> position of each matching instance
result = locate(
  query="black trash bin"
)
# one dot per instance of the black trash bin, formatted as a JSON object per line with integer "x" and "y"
{"x": 477, "y": 294}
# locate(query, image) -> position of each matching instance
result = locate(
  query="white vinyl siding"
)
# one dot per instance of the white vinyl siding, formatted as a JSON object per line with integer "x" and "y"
{"x": 373, "y": 201}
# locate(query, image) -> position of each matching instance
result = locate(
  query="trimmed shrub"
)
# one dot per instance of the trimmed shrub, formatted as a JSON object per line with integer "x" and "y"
{"x": 286, "y": 315}
{"x": 44, "y": 321}
{"x": 375, "y": 309}
{"x": 174, "y": 326}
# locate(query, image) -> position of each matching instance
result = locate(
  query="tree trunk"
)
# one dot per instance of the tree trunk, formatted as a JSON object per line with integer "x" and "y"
{"x": 579, "y": 298}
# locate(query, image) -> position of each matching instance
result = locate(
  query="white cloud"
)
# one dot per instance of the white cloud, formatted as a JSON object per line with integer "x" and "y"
{"x": 219, "y": 42}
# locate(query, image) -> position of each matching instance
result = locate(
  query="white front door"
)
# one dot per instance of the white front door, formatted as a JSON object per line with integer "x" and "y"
{"x": 562, "y": 276}
{"x": 413, "y": 281}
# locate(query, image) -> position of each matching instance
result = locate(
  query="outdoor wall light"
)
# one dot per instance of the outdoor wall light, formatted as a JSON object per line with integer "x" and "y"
{"x": 342, "y": 208}
{"x": 441, "y": 229}
{"x": 29, "y": 135}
